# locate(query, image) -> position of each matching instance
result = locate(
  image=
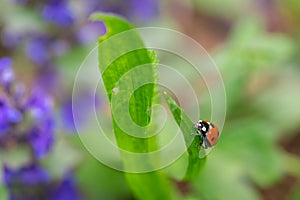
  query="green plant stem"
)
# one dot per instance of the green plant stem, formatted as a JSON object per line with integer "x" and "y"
{"x": 195, "y": 164}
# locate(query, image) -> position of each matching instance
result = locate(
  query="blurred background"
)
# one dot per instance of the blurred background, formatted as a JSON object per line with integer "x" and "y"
{"x": 254, "y": 43}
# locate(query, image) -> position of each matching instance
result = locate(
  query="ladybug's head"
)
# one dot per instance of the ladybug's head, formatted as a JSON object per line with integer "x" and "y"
{"x": 202, "y": 127}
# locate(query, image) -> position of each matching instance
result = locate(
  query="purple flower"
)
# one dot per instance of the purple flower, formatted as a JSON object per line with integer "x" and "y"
{"x": 6, "y": 72}
{"x": 66, "y": 190}
{"x": 10, "y": 39}
{"x": 27, "y": 175}
{"x": 37, "y": 50}
{"x": 84, "y": 103}
{"x": 41, "y": 49}
{"x": 8, "y": 116}
{"x": 4, "y": 125}
{"x": 32, "y": 182}
{"x": 38, "y": 132}
{"x": 41, "y": 139}
{"x": 67, "y": 116}
{"x": 139, "y": 11}
{"x": 48, "y": 80}
{"x": 58, "y": 12}
{"x": 40, "y": 106}
{"x": 90, "y": 32}
{"x": 41, "y": 135}
{"x": 143, "y": 10}
{"x": 24, "y": 183}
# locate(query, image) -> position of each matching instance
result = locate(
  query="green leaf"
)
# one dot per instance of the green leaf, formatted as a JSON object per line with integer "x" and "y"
{"x": 120, "y": 54}
{"x": 195, "y": 164}
{"x": 249, "y": 143}
{"x": 3, "y": 192}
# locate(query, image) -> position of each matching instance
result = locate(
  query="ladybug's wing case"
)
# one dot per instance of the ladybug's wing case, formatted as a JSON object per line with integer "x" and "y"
{"x": 213, "y": 136}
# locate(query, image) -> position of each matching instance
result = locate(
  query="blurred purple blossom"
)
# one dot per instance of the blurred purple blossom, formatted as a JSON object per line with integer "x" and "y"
{"x": 15, "y": 111}
{"x": 4, "y": 124}
{"x": 8, "y": 115}
{"x": 6, "y": 72}
{"x": 28, "y": 120}
{"x": 90, "y": 32}
{"x": 41, "y": 139}
{"x": 27, "y": 175}
{"x": 67, "y": 116}
{"x": 58, "y": 12}
{"x": 41, "y": 135}
{"x": 82, "y": 102}
{"x": 37, "y": 50}
{"x": 138, "y": 11}
{"x": 48, "y": 80}
{"x": 40, "y": 106}
{"x": 32, "y": 182}
{"x": 143, "y": 10}
{"x": 41, "y": 49}
{"x": 66, "y": 190}
{"x": 10, "y": 39}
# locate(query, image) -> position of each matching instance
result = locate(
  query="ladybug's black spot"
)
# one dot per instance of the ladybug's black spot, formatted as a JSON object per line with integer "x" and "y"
{"x": 212, "y": 139}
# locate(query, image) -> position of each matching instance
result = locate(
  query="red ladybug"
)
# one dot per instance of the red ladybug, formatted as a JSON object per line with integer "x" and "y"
{"x": 208, "y": 132}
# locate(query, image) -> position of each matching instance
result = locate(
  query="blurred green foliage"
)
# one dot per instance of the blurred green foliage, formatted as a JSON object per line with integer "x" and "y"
{"x": 261, "y": 73}
{"x": 261, "y": 87}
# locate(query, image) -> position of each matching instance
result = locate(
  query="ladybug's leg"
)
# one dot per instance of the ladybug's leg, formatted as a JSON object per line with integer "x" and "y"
{"x": 195, "y": 133}
{"x": 206, "y": 144}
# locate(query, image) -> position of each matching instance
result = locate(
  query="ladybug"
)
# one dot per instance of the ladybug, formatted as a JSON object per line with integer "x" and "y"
{"x": 208, "y": 132}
